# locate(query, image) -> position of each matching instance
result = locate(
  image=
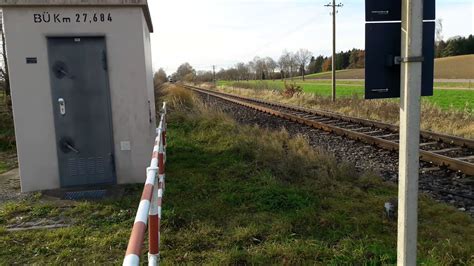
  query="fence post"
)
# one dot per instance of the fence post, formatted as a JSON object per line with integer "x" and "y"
{"x": 164, "y": 128}
{"x": 153, "y": 224}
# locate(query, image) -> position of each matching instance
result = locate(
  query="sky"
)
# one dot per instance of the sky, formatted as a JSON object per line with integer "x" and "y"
{"x": 225, "y": 32}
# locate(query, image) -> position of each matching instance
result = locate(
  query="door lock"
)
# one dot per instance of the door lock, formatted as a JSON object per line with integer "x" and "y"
{"x": 62, "y": 106}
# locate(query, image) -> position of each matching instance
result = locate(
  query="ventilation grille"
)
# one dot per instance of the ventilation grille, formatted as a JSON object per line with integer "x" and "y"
{"x": 91, "y": 166}
{"x": 90, "y": 194}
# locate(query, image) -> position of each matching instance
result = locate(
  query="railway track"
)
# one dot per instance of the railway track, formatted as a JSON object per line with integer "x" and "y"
{"x": 452, "y": 152}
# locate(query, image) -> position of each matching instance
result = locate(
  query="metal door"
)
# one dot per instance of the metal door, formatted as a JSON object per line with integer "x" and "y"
{"x": 82, "y": 113}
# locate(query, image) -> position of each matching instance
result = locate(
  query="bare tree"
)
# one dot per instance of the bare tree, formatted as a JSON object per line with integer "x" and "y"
{"x": 4, "y": 74}
{"x": 204, "y": 76}
{"x": 159, "y": 78}
{"x": 439, "y": 30}
{"x": 252, "y": 69}
{"x": 260, "y": 67}
{"x": 293, "y": 64}
{"x": 284, "y": 63}
{"x": 185, "y": 72}
{"x": 302, "y": 57}
{"x": 271, "y": 66}
{"x": 243, "y": 71}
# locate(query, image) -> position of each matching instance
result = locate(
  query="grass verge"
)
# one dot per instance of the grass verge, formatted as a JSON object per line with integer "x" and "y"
{"x": 241, "y": 195}
{"x": 447, "y": 121}
{"x": 449, "y": 99}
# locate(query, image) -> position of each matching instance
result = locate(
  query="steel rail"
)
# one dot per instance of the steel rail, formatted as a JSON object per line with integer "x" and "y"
{"x": 427, "y": 156}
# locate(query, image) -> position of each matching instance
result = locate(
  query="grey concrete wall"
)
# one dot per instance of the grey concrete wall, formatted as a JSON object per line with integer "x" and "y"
{"x": 77, "y": 3}
{"x": 130, "y": 86}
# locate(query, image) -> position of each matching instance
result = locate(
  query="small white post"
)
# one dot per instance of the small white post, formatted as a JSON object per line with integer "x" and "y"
{"x": 412, "y": 36}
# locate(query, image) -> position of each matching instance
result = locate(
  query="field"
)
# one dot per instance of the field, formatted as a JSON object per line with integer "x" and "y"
{"x": 456, "y": 99}
{"x": 445, "y": 84}
{"x": 341, "y": 74}
{"x": 454, "y": 67}
{"x": 240, "y": 195}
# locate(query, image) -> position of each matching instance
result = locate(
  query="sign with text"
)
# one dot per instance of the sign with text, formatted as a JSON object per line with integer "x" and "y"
{"x": 391, "y": 10}
{"x": 83, "y": 17}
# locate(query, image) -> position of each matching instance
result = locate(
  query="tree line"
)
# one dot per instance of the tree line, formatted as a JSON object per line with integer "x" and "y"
{"x": 455, "y": 46}
{"x": 4, "y": 74}
{"x": 287, "y": 66}
{"x": 291, "y": 64}
{"x": 302, "y": 62}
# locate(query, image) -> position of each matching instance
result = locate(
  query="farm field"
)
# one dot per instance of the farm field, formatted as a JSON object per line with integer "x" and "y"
{"x": 461, "y": 100}
{"x": 437, "y": 84}
{"x": 454, "y": 67}
{"x": 296, "y": 205}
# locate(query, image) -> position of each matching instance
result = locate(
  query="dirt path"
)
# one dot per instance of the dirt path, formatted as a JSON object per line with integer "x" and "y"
{"x": 10, "y": 186}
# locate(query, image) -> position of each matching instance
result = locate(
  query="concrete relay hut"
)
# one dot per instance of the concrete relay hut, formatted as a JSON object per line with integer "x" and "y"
{"x": 82, "y": 90}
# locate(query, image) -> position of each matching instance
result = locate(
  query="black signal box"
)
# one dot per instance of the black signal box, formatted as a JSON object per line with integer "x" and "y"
{"x": 391, "y": 10}
{"x": 382, "y": 60}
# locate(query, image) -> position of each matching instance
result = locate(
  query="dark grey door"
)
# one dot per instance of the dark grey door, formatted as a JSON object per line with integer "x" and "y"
{"x": 82, "y": 113}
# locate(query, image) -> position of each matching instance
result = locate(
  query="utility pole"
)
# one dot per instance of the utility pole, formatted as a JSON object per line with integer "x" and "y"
{"x": 334, "y": 11}
{"x": 411, "y": 65}
{"x": 214, "y": 74}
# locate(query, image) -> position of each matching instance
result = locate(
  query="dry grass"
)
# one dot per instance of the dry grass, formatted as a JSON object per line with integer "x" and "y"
{"x": 455, "y": 67}
{"x": 450, "y": 122}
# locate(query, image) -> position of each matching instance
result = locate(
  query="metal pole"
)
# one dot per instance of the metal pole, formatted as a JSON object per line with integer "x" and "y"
{"x": 412, "y": 29}
{"x": 334, "y": 50}
{"x": 214, "y": 74}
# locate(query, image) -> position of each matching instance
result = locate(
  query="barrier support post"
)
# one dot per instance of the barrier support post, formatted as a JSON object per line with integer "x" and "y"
{"x": 153, "y": 225}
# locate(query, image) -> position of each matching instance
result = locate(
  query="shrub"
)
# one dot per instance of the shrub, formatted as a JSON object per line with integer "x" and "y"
{"x": 291, "y": 89}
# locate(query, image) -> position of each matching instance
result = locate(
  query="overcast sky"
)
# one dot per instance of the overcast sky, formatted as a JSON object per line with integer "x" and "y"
{"x": 224, "y": 32}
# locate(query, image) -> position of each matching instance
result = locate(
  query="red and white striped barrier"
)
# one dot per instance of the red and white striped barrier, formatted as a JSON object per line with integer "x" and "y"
{"x": 149, "y": 209}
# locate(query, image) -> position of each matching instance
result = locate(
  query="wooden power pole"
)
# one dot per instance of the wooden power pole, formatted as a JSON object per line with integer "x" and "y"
{"x": 333, "y": 13}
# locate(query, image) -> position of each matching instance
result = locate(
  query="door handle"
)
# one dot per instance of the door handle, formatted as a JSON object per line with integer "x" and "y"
{"x": 69, "y": 146}
{"x": 62, "y": 106}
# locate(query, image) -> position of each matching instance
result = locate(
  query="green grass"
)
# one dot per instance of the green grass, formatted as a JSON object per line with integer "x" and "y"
{"x": 241, "y": 195}
{"x": 437, "y": 85}
{"x": 464, "y": 85}
{"x": 99, "y": 232}
{"x": 446, "y": 99}
{"x": 3, "y": 167}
